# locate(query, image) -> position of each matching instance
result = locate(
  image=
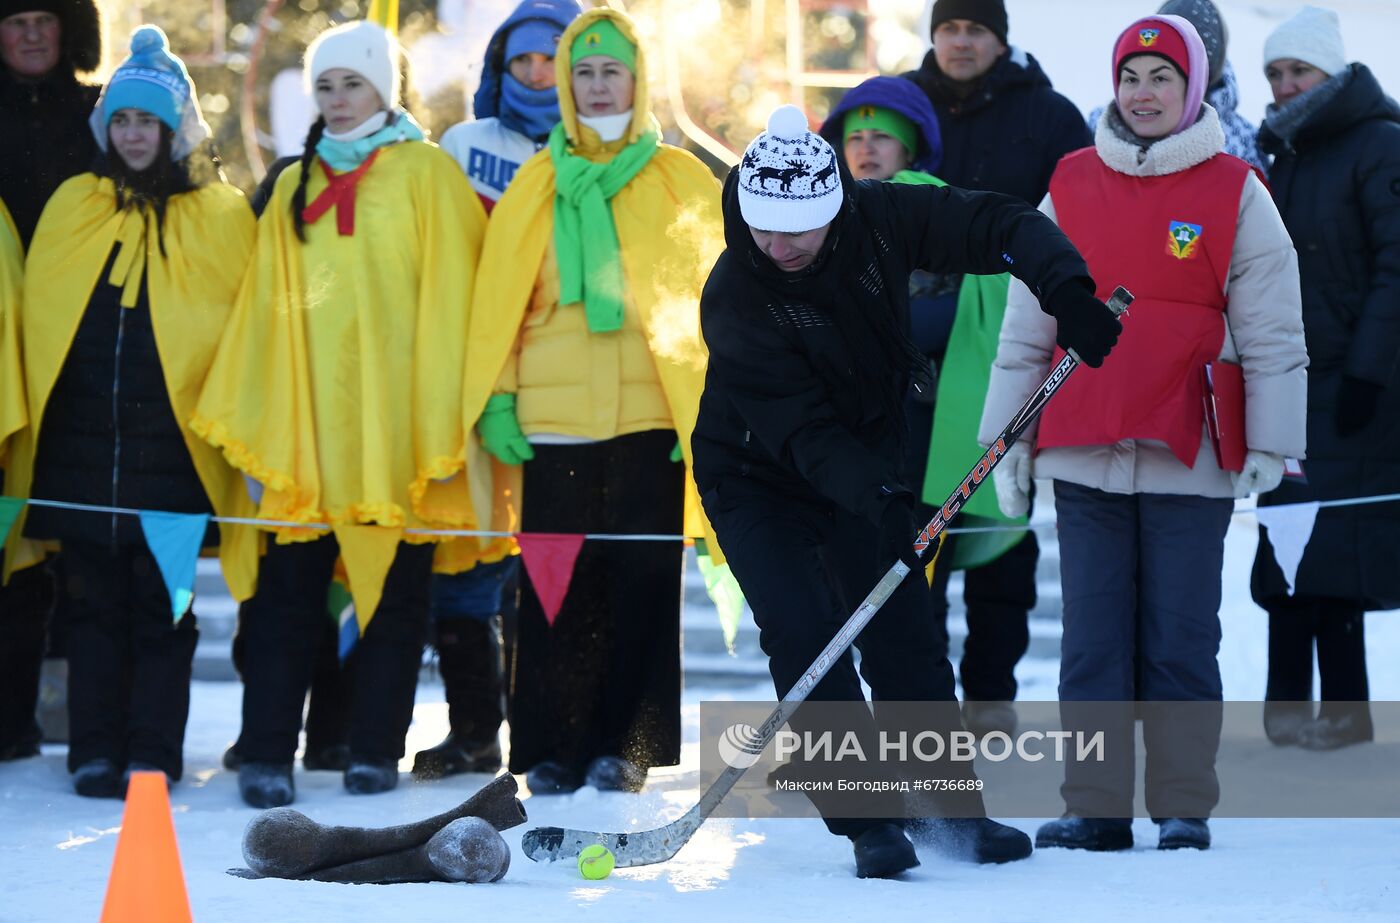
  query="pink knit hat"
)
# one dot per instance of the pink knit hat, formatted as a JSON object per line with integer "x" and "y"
{"x": 1181, "y": 45}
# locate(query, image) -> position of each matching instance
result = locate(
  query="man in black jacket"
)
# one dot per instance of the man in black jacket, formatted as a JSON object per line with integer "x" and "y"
{"x": 798, "y": 443}
{"x": 1003, "y": 129}
{"x": 44, "y": 111}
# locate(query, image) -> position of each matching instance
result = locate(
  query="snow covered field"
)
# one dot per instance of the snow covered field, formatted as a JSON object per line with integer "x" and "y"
{"x": 56, "y": 848}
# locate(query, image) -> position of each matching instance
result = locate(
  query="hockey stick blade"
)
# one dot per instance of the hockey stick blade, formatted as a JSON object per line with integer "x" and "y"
{"x": 646, "y": 847}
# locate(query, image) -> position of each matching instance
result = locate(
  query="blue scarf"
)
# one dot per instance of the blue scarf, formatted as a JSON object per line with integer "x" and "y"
{"x": 532, "y": 113}
{"x": 343, "y": 156}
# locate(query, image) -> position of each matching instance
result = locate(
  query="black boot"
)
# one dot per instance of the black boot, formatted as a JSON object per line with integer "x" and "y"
{"x": 883, "y": 851}
{"x": 1283, "y": 721}
{"x": 1183, "y": 833}
{"x": 551, "y": 778}
{"x": 331, "y": 758}
{"x": 366, "y": 776}
{"x": 1098, "y": 834}
{"x": 98, "y": 778}
{"x": 971, "y": 839}
{"x": 469, "y": 661}
{"x": 266, "y": 785}
{"x": 615, "y": 774}
{"x": 1340, "y": 730}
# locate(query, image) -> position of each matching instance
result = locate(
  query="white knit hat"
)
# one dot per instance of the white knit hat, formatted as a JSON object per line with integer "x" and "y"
{"x": 363, "y": 47}
{"x": 1314, "y": 36}
{"x": 789, "y": 180}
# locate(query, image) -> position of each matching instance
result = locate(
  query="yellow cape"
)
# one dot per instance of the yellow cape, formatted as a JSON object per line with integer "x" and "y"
{"x": 208, "y": 235}
{"x": 338, "y": 382}
{"x": 13, "y": 414}
{"x": 669, "y": 233}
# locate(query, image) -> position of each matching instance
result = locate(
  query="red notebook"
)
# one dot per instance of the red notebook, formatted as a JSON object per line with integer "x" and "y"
{"x": 1224, "y": 404}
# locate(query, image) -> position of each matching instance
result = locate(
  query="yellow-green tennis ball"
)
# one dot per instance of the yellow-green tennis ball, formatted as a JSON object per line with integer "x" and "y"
{"x": 595, "y": 862}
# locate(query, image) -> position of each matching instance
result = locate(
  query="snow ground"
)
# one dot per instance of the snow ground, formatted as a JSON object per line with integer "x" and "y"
{"x": 56, "y": 848}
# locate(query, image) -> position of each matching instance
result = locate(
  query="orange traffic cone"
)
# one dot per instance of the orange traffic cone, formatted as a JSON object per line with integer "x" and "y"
{"x": 147, "y": 885}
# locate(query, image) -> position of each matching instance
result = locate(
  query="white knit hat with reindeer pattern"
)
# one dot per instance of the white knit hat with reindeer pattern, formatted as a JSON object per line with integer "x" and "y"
{"x": 789, "y": 180}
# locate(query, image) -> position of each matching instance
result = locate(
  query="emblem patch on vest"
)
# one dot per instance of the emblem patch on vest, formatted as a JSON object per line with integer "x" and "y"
{"x": 1148, "y": 37}
{"x": 1182, "y": 237}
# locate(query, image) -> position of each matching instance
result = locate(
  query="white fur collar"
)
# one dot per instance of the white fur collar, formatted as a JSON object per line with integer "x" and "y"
{"x": 1172, "y": 154}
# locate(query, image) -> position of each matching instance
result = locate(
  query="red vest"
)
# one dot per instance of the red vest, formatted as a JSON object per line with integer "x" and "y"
{"x": 1168, "y": 239}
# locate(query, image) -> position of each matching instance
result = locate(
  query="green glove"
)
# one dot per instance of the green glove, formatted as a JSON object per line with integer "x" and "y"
{"x": 500, "y": 431}
{"x": 676, "y": 454}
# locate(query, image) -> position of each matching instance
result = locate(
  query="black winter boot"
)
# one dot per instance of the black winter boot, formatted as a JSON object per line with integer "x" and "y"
{"x": 1183, "y": 833}
{"x": 469, "y": 661}
{"x": 266, "y": 785}
{"x": 98, "y": 778}
{"x": 551, "y": 778}
{"x": 883, "y": 851}
{"x": 1097, "y": 834}
{"x": 615, "y": 774}
{"x": 367, "y": 776}
{"x": 971, "y": 839}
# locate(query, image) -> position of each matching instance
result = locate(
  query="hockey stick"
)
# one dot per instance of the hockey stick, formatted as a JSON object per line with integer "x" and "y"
{"x": 546, "y": 844}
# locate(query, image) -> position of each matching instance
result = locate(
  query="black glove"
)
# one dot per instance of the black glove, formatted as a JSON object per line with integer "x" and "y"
{"x": 898, "y": 529}
{"x": 1356, "y": 404}
{"x": 1083, "y": 323}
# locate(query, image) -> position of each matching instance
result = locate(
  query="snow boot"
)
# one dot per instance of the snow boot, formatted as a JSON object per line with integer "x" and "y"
{"x": 551, "y": 778}
{"x": 883, "y": 851}
{"x": 1183, "y": 833}
{"x": 366, "y": 776}
{"x": 232, "y": 759}
{"x": 455, "y": 756}
{"x": 1097, "y": 834}
{"x": 98, "y": 778}
{"x": 1283, "y": 721}
{"x": 971, "y": 839}
{"x": 615, "y": 774}
{"x": 266, "y": 785}
{"x": 1330, "y": 733}
{"x": 982, "y": 718}
{"x": 332, "y": 758}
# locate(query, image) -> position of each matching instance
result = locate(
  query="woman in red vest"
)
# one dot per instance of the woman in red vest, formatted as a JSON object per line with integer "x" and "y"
{"x": 1143, "y": 505}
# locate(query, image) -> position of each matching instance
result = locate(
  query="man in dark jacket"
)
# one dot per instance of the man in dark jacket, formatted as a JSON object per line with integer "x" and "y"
{"x": 798, "y": 443}
{"x": 1004, "y": 129}
{"x": 44, "y": 109}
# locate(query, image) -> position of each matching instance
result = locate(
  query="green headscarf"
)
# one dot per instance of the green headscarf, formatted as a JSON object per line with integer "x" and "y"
{"x": 585, "y": 238}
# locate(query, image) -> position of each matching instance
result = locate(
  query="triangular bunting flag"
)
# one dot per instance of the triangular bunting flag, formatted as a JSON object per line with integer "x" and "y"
{"x": 1290, "y": 526}
{"x": 341, "y": 607}
{"x": 725, "y": 593}
{"x": 175, "y": 540}
{"x": 368, "y": 552}
{"x": 9, "y": 511}
{"x": 549, "y": 560}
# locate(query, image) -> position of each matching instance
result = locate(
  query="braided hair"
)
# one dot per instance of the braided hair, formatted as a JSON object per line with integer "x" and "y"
{"x": 308, "y": 158}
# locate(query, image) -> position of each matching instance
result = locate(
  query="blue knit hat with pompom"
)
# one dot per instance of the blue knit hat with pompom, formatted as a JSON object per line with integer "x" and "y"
{"x": 151, "y": 79}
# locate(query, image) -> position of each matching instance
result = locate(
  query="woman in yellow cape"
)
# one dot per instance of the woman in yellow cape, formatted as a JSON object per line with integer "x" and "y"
{"x": 129, "y": 281}
{"x": 586, "y": 365}
{"x": 337, "y": 389}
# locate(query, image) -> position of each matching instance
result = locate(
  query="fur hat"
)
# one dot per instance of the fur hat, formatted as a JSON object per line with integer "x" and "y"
{"x": 82, "y": 28}
{"x": 789, "y": 179}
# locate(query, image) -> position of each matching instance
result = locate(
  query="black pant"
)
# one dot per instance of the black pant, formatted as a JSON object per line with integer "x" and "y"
{"x": 1141, "y": 576}
{"x": 803, "y": 570}
{"x": 25, "y": 604}
{"x": 605, "y": 679}
{"x": 999, "y": 596}
{"x": 282, "y": 629}
{"x": 129, "y": 662}
{"x": 469, "y": 610}
{"x": 1338, "y": 626}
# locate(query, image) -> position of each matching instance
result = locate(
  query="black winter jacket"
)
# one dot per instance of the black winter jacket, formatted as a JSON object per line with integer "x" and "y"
{"x": 1010, "y": 133}
{"x": 46, "y": 140}
{"x": 1337, "y": 186}
{"x": 109, "y": 436}
{"x": 780, "y": 415}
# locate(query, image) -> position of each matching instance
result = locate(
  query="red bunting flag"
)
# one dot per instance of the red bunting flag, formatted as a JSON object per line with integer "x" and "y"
{"x": 549, "y": 560}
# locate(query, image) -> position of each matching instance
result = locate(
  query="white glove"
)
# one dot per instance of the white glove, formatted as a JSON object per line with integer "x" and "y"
{"x": 1262, "y": 473}
{"x": 1012, "y": 479}
{"x": 254, "y": 488}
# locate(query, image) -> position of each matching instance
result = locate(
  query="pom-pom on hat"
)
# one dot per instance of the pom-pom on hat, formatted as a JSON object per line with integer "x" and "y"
{"x": 1175, "y": 39}
{"x": 1314, "y": 36}
{"x": 789, "y": 179}
{"x": 363, "y": 47}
